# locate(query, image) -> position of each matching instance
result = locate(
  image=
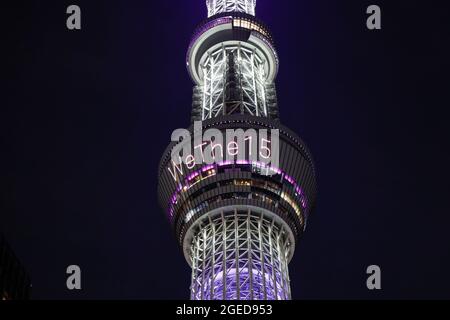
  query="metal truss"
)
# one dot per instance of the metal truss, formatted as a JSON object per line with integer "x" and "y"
{"x": 219, "y": 6}
{"x": 240, "y": 256}
{"x": 234, "y": 81}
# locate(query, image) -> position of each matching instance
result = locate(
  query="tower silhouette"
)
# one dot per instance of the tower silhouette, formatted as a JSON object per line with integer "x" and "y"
{"x": 238, "y": 221}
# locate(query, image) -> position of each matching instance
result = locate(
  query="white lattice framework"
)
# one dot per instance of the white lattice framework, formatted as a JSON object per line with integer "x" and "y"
{"x": 251, "y": 76}
{"x": 242, "y": 256}
{"x": 219, "y": 6}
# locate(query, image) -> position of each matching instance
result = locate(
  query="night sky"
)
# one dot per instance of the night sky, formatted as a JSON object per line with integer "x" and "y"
{"x": 85, "y": 116}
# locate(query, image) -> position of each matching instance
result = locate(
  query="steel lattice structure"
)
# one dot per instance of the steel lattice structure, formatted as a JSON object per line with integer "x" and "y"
{"x": 237, "y": 225}
{"x": 234, "y": 81}
{"x": 240, "y": 255}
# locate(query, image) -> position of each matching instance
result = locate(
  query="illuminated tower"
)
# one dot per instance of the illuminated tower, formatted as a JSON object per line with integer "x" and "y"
{"x": 237, "y": 222}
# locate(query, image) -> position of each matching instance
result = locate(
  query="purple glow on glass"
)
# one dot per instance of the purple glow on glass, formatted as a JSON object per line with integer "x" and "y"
{"x": 200, "y": 31}
{"x": 196, "y": 173}
{"x": 174, "y": 199}
{"x": 267, "y": 42}
{"x": 303, "y": 201}
{"x": 208, "y": 168}
{"x": 193, "y": 175}
{"x": 289, "y": 178}
{"x": 224, "y": 163}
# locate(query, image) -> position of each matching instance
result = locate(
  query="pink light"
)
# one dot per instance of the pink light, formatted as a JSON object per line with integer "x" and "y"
{"x": 288, "y": 178}
{"x": 193, "y": 175}
{"x": 224, "y": 163}
{"x": 208, "y": 168}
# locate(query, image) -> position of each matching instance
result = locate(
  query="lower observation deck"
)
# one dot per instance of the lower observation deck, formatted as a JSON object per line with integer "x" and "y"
{"x": 286, "y": 191}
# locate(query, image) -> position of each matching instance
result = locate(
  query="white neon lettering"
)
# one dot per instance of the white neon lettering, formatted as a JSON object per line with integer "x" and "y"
{"x": 178, "y": 167}
{"x": 190, "y": 162}
{"x": 264, "y": 146}
{"x": 233, "y": 150}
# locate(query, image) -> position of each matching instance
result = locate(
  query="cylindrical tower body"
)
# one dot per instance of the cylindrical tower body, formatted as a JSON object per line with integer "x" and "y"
{"x": 236, "y": 220}
{"x": 240, "y": 254}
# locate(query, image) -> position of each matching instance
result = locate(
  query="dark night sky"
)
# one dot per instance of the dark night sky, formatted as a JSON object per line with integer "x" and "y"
{"x": 86, "y": 115}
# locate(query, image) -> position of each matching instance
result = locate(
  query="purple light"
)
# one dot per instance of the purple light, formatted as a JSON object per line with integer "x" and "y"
{"x": 303, "y": 201}
{"x": 207, "y": 168}
{"x": 289, "y": 179}
{"x": 200, "y": 31}
{"x": 196, "y": 173}
{"x": 224, "y": 163}
{"x": 193, "y": 175}
{"x": 261, "y": 285}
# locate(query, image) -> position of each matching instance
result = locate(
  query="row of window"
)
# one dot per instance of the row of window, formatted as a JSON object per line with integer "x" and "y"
{"x": 198, "y": 177}
{"x": 259, "y": 169}
{"x": 250, "y": 25}
{"x": 246, "y": 195}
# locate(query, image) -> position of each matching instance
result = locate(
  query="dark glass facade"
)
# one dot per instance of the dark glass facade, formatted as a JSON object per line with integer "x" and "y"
{"x": 15, "y": 283}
